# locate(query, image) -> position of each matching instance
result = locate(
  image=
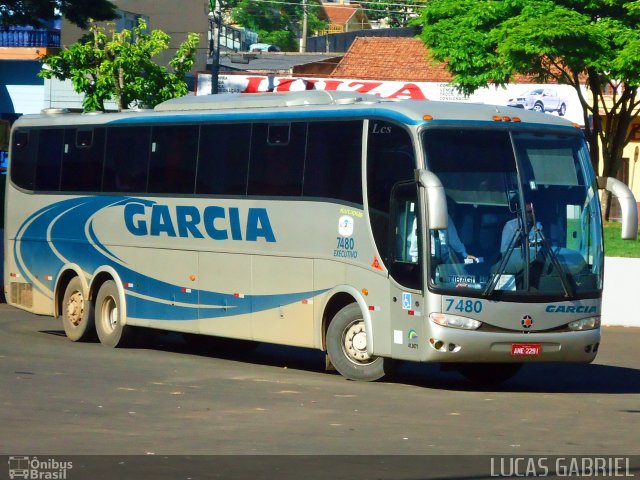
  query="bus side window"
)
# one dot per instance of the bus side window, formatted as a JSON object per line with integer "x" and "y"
{"x": 405, "y": 252}
{"x": 172, "y": 167}
{"x": 127, "y": 158}
{"x": 276, "y": 165}
{"x": 390, "y": 160}
{"x": 23, "y": 158}
{"x": 49, "y": 160}
{"x": 82, "y": 160}
{"x": 332, "y": 166}
{"x": 223, "y": 159}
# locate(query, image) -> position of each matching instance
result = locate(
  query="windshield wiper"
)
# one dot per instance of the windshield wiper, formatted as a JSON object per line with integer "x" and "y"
{"x": 503, "y": 262}
{"x": 566, "y": 284}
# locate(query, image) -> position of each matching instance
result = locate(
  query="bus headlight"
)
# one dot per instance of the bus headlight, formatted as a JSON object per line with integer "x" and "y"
{"x": 585, "y": 324}
{"x": 455, "y": 321}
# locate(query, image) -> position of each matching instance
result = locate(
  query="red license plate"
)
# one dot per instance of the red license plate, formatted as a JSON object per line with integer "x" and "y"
{"x": 526, "y": 349}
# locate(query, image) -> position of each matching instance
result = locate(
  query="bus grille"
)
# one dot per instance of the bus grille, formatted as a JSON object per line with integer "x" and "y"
{"x": 22, "y": 294}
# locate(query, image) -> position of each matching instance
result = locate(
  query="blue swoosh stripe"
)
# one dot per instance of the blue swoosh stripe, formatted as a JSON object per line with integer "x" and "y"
{"x": 69, "y": 237}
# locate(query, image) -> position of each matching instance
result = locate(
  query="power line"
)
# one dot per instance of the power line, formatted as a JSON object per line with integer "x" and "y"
{"x": 377, "y": 10}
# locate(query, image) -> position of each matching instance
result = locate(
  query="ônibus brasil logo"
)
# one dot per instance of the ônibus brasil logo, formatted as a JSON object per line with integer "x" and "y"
{"x": 38, "y": 469}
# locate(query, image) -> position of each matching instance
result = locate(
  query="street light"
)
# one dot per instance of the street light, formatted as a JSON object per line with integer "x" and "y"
{"x": 215, "y": 19}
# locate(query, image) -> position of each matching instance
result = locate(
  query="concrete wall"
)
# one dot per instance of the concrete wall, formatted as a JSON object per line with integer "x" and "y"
{"x": 621, "y": 296}
{"x": 21, "y": 90}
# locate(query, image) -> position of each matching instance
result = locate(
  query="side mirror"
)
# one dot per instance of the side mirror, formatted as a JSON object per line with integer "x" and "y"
{"x": 436, "y": 199}
{"x": 628, "y": 205}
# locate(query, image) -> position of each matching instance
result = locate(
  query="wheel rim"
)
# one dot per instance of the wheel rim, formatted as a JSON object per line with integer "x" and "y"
{"x": 354, "y": 343}
{"x": 75, "y": 308}
{"x": 110, "y": 314}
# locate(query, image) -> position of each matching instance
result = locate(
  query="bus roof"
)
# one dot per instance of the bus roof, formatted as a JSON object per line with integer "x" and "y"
{"x": 299, "y": 106}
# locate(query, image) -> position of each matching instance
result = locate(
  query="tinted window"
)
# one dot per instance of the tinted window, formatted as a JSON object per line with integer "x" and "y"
{"x": 49, "y": 159}
{"x": 332, "y": 167}
{"x": 277, "y": 159}
{"x": 82, "y": 160}
{"x": 390, "y": 159}
{"x": 23, "y": 157}
{"x": 172, "y": 168}
{"x": 127, "y": 159}
{"x": 223, "y": 159}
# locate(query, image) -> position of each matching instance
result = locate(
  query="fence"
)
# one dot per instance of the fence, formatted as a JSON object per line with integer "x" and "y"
{"x": 30, "y": 37}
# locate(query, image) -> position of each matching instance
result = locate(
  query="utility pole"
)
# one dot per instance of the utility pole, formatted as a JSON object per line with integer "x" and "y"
{"x": 216, "y": 23}
{"x": 305, "y": 19}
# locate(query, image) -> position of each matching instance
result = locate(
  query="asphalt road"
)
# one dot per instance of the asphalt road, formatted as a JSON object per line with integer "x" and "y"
{"x": 166, "y": 398}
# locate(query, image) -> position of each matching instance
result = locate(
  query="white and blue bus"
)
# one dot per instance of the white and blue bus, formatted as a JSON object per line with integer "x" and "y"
{"x": 328, "y": 220}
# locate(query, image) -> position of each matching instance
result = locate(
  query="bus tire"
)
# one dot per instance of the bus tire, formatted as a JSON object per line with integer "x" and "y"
{"x": 109, "y": 315}
{"x": 77, "y": 313}
{"x": 346, "y": 346}
{"x": 488, "y": 373}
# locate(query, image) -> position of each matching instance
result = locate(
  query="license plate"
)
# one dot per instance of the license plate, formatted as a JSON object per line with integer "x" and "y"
{"x": 526, "y": 349}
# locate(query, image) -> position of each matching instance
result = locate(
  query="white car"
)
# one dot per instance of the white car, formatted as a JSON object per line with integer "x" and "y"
{"x": 263, "y": 47}
{"x": 540, "y": 100}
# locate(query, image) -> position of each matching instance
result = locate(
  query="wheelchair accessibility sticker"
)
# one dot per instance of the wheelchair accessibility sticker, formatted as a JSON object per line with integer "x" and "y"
{"x": 406, "y": 301}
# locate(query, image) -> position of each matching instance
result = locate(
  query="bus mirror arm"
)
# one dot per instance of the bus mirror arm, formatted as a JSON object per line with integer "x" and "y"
{"x": 628, "y": 205}
{"x": 436, "y": 199}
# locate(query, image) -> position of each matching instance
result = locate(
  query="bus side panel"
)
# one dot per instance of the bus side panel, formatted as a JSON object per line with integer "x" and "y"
{"x": 35, "y": 297}
{"x": 280, "y": 315}
{"x": 225, "y": 296}
{"x": 162, "y": 292}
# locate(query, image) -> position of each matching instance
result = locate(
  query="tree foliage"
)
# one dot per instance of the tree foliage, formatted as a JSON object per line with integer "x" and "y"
{"x": 35, "y": 12}
{"x": 121, "y": 67}
{"x": 276, "y": 23}
{"x": 567, "y": 41}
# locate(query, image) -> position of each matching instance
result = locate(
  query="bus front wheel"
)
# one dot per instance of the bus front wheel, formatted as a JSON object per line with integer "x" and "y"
{"x": 347, "y": 347}
{"x": 77, "y": 313}
{"x": 109, "y": 317}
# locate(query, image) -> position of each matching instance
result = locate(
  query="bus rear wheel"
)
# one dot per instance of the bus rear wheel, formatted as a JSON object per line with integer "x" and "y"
{"x": 77, "y": 313}
{"x": 110, "y": 317}
{"x": 347, "y": 347}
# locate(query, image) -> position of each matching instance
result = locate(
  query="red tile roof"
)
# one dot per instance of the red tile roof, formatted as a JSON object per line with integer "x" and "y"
{"x": 340, "y": 14}
{"x": 396, "y": 58}
{"x": 389, "y": 58}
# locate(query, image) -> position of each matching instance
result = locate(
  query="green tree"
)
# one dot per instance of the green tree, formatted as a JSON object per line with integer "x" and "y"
{"x": 568, "y": 41}
{"x": 279, "y": 23}
{"x": 121, "y": 67}
{"x": 35, "y": 12}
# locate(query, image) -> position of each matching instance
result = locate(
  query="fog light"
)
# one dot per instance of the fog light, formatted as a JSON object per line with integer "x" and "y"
{"x": 587, "y": 349}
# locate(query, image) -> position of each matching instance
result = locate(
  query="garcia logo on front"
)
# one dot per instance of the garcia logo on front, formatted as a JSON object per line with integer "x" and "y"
{"x": 218, "y": 223}
{"x": 36, "y": 469}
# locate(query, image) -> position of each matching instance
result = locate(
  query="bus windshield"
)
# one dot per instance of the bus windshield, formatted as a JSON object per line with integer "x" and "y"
{"x": 524, "y": 216}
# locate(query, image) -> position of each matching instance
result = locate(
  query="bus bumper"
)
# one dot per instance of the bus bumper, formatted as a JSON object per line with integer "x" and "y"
{"x": 456, "y": 345}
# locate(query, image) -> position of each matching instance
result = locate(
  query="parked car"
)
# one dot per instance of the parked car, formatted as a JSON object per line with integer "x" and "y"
{"x": 540, "y": 100}
{"x": 263, "y": 47}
